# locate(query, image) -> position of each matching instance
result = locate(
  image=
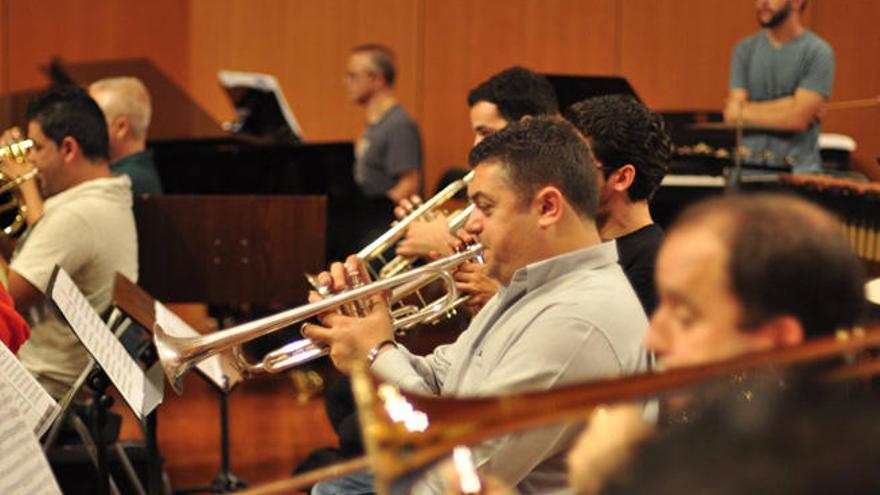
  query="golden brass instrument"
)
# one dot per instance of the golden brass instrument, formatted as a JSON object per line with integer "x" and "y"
{"x": 12, "y": 206}
{"x": 178, "y": 355}
{"x": 404, "y": 432}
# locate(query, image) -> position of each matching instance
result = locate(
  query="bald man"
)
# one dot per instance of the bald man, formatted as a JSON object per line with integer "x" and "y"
{"x": 125, "y": 102}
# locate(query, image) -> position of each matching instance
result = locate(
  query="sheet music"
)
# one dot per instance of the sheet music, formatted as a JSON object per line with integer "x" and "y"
{"x": 214, "y": 367}
{"x": 38, "y": 409}
{"x": 23, "y": 466}
{"x": 262, "y": 82}
{"x": 119, "y": 366}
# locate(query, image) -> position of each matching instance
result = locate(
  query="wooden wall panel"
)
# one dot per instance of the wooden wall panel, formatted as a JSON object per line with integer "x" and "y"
{"x": 86, "y": 30}
{"x": 676, "y": 53}
{"x": 4, "y": 49}
{"x": 465, "y": 42}
{"x": 851, "y": 28}
{"x": 305, "y": 45}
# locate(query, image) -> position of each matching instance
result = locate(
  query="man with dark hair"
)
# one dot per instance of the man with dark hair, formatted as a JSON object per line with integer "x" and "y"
{"x": 632, "y": 151}
{"x": 736, "y": 275}
{"x": 509, "y": 96}
{"x": 389, "y": 153}
{"x": 779, "y": 78}
{"x": 565, "y": 312}
{"x": 86, "y": 226}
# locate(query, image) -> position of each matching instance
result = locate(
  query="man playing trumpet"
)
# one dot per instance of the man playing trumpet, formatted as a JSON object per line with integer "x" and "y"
{"x": 564, "y": 313}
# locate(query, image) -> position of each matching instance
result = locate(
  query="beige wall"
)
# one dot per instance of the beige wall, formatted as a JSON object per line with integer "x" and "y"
{"x": 674, "y": 52}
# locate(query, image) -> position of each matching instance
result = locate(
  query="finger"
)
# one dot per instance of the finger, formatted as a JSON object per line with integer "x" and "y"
{"x": 434, "y": 255}
{"x": 325, "y": 283}
{"x": 357, "y": 271}
{"x": 405, "y": 248}
{"x": 399, "y": 212}
{"x": 317, "y": 333}
{"x": 340, "y": 280}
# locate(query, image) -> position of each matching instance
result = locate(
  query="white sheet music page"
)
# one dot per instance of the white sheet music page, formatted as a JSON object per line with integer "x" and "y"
{"x": 122, "y": 370}
{"x": 38, "y": 409}
{"x": 23, "y": 466}
{"x": 214, "y": 368}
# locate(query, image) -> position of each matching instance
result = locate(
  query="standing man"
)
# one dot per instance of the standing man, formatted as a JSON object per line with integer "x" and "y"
{"x": 779, "y": 78}
{"x": 389, "y": 152}
{"x": 86, "y": 226}
{"x": 125, "y": 102}
{"x": 632, "y": 151}
{"x": 565, "y": 312}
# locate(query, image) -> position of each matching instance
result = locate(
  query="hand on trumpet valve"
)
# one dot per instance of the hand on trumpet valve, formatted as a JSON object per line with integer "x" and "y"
{"x": 16, "y": 165}
{"x": 472, "y": 278}
{"x": 406, "y": 206}
{"x": 350, "y": 336}
{"x": 423, "y": 238}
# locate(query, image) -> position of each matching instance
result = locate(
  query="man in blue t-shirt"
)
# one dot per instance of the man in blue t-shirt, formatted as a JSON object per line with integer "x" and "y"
{"x": 779, "y": 79}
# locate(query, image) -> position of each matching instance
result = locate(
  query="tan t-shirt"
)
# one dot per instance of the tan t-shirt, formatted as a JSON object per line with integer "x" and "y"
{"x": 89, "y": 231}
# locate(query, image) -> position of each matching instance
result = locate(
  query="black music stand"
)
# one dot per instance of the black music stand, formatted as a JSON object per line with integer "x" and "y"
{"x": 224, "y": 250}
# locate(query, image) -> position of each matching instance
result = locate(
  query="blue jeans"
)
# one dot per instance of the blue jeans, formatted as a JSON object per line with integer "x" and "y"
{"x": 360, "y": 483}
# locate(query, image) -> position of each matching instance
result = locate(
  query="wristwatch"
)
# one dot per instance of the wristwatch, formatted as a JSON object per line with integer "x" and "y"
{"x": 374, "y": 352}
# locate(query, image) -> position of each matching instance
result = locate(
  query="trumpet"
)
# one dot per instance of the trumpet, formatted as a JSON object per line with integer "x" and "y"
{"x": 12, "y": 207}
{"x": 17, "y": 150}
{"x": 403, "y": 433}
{"x": 178, "y": 355}
{"x": 376, "y": 249}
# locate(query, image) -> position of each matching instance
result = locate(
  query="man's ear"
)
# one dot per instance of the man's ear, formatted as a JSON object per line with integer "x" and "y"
{"x": 782, "y": 331}
{"x": 69, "y": 149}
{"x": 120, "y": 127}
{"x": 548, "y": 204}
{"x": 622, "y": 178}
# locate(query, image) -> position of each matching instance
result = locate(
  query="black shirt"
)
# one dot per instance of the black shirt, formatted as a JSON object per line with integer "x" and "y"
{"x": 637, "y": 252}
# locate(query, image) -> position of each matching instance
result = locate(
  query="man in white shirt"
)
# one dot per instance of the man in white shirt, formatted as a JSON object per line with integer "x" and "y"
{"x": 85, "y": 225}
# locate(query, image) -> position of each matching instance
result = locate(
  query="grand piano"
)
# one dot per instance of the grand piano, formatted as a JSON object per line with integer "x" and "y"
{"x": 195, "y": 155}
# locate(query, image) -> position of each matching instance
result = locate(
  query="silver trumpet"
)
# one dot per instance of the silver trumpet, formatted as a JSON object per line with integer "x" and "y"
{"x": 179, "y": 354}
{"x": 376, "y": 249}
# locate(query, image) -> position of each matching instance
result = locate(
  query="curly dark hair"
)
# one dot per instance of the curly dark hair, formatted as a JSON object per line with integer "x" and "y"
{"x": 68, "y": 110}
{"x": 623, "y": 131}
{"x": 543, "y": 151}
{"x": 517, "y": 92}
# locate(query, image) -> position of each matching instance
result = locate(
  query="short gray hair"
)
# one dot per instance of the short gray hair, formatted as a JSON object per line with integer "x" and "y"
{"x": 128, "y": 96}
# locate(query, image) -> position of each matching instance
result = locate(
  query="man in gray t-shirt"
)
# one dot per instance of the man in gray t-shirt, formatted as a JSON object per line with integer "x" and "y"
{"x": 389, "y": 152}
{"x": 779, "y": 78}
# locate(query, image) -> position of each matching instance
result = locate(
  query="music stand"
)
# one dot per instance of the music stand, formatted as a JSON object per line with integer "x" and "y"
{"x": 219, "y": 250}
{"x": 260, "y": 107}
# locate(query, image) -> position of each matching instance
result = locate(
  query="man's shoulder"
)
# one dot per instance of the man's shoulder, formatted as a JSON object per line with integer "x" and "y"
{"x": 398, "y": 117}
{"x": 751, "y": 41}
{"x": 817, "y": 44}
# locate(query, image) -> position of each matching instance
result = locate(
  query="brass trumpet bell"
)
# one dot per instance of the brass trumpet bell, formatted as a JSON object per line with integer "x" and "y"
{"x": 12, "y": 207}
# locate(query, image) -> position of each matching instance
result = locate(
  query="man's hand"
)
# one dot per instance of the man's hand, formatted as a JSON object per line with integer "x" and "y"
{"x": 471, "y": 278}
{"x": 605, "y": 446}
{"x": 423, "y": 237}
{"x": 14, "y": 167}
{"x": 348, "y": 336}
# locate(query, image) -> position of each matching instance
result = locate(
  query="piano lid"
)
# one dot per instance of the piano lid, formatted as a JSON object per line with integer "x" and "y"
{"x": 175, "y": 115}
{"x": 571, "y": 89}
